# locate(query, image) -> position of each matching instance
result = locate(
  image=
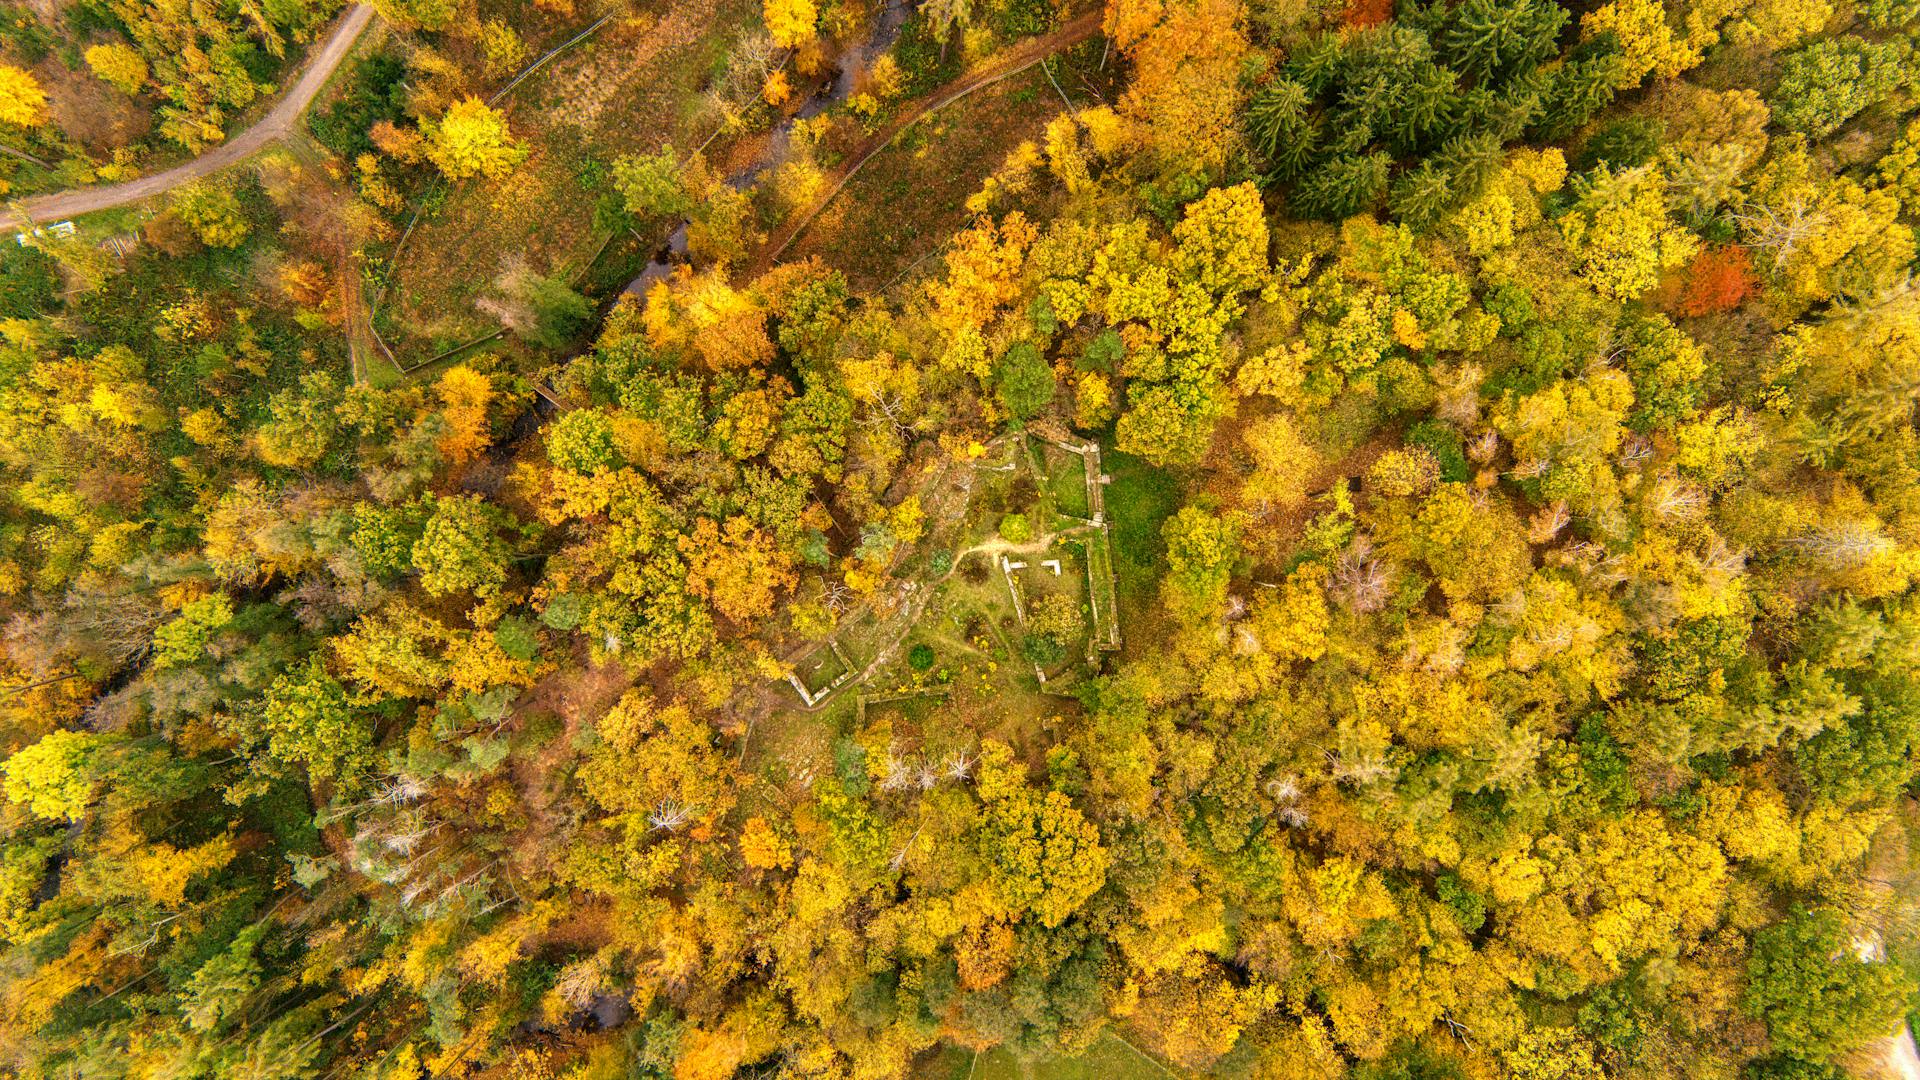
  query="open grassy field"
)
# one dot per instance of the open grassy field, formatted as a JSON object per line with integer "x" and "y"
{"x": 1102, "y": 592}
{"x": 911, "y": 196}
{"x": 796, "y": 743}
{"x": 819, "y": 668}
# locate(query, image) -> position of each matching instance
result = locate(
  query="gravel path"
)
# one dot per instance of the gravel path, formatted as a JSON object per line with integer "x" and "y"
{"x": 277, "y": 124}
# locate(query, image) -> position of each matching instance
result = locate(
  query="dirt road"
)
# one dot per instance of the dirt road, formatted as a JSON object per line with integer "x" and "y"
{"x": 277, "y": 124}
{"x": 1013, "y": 63}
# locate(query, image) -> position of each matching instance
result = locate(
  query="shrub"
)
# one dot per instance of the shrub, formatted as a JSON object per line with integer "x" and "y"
{"x": 29, "y": 281}
{"x": 1042, "y": 650}
{"x": 119, "y": 66}
{"x": 652, "y": 183}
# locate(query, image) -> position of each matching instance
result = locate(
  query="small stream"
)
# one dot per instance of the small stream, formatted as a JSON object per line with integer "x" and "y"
{"x": 853, "y": 63}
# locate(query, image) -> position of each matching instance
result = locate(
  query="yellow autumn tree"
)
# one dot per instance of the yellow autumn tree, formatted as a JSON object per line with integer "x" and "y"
{"x": 983, "y": 274}
{"x": 119, "y": 66}
{"x": 762, "y": 847}
{"x": 1284, "y": 464}
{"x": 1622, "y": 232}
{"x": 22, "y": 102}
{"x": 473, "y": 140}
{"x": 791, "y": 22}
{"x": 1184, "y": 92}
{"x": 1647, "y": 44}
{"x": 465, "y": 394}
{"x": 740, "y": 569}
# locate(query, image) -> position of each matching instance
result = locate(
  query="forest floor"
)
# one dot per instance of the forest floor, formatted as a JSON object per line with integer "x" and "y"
{"x": 633, "y": 87}
{"x": 1012, "y": 62}
{"x": 277, "y": 124}
{"x": 900, "y": 211}
{"x": 630, "y": 87}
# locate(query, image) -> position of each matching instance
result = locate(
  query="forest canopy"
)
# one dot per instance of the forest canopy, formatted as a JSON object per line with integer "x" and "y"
{"x": 1241, "y": 538}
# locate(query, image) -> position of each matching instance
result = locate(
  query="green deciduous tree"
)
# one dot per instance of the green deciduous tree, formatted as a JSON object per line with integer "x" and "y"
{"x": 212, "y": 211}
{"x": 581, "y": 441}
{"x": 308, "y": 719}
{"x": 1819, "y": 998}
{"x": 1201, "y": 551}
{"x": 461, "y": 549}
{"x": 1046, "y": 857}
{"x": 185, "y": 639}
{"x": 1828, "y": 82}
{"x": 653, "y": 183}
{"x": 1023, "y": 381}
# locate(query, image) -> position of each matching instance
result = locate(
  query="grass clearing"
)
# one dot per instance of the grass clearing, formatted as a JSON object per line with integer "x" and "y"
{"x": 1102, "y": 593}
{"x": 1140, "y": 497}
{"x": 944, "y": 1063}
{"x": 795, "y": 744}
{"x": 913, "y": 709}
{"x": 1107, "y": 1059}
{"x": 819, "y": 668}
{"x": 1066, "y": 481}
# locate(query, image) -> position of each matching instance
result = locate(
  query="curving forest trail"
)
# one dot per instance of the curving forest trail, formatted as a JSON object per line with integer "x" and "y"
{"x": 277, "y": 124}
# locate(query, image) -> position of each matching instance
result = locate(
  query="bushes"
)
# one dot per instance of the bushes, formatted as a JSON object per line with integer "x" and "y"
{"x": 922, "y": 57}
{"x": 373, "y": 93}
{"x": 29, "y": 281}
{"x": 1016, "y": 19}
